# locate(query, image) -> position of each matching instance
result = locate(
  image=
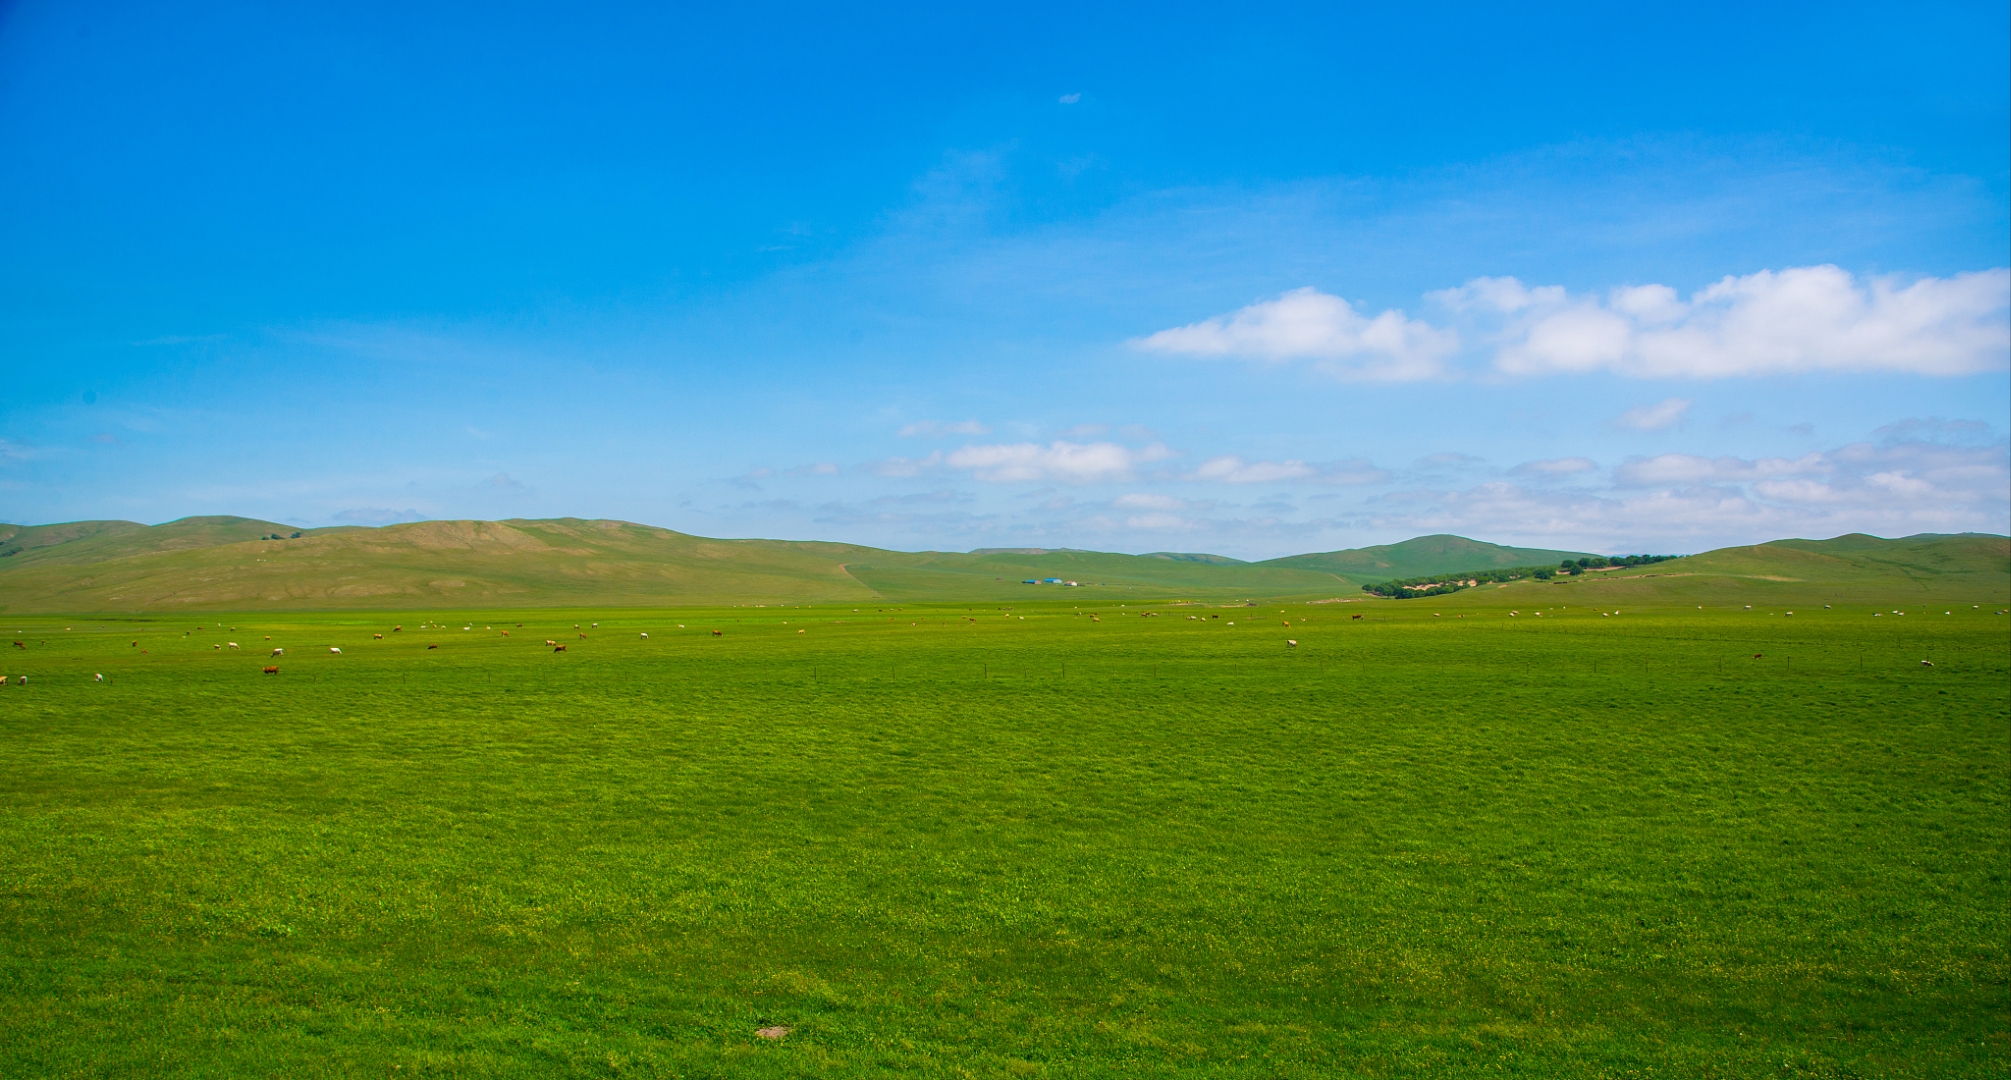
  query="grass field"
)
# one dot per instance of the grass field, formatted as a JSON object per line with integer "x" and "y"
{"x": 959, "y": 840}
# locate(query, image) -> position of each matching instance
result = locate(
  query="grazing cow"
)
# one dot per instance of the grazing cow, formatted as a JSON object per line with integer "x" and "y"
{"x": 377, "y": 637}
{"x": 1355, "y": 617}
{"x": 233, "y": 644}
{"x": 1923, "y": 663}
{"x": 270, "y": 670}
{"x": 335, "y": 650}
{"x": 558, "y": 648}
{"x": 432, "y": 646}
{"x": 99, "y": 677}
{"x": 583, "y": 637}
{"x": 549, "y": 641}
{"x": 18, "y": 645}
{"x": 1756, "y": 656}
{"x": 1290, "y": 644}
{"x": 279, "y": 652}
{"x": 645, "y": 637}
{"x": 506, "y": 633}
{"x": 395, "y": 629}
{"x": 719, "y": 633}
{"x": 216, "y": 646}
{"x": 137, "y": 644}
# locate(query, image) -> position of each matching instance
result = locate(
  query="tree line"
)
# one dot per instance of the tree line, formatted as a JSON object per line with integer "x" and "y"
{"x": 1442, "y": 584}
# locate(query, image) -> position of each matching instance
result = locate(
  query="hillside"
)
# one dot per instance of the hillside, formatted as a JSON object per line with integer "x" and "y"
{"x": 223, "y": 563}
{"x": 1967, "y": 568}
{"x": 1436, "y": 554}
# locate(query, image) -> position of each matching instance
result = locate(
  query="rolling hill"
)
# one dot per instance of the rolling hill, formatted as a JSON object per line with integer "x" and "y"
{"x": 1436, "y": 554}
{"x": 226, "y": 563}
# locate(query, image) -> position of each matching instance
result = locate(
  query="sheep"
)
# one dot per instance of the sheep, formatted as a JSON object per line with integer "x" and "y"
{"x": 1291, "y": 644}
{"x": 335, "y": 650}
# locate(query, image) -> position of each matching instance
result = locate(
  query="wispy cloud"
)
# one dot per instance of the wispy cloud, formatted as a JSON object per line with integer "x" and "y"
{"x": 933, "y": 429}
{"x": 1692, "y": 502}
{"x": 1230, "y": 469}
{"x": 1564, "y": 466}
{"x": 1663, "y": 414}
{"x": 901, "y": 467}
{"x": 377, "y": 515}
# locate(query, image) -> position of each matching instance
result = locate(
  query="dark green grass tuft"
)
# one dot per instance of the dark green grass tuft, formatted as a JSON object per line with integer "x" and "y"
{"x": 1573, "y": 845}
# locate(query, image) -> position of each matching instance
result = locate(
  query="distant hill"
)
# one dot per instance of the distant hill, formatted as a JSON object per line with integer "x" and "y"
{"x": 1436, "y": 554}
{"x": 1929, "y": 563}
{"x": 225, "y": 563}
{"x": 1189, "y": 556}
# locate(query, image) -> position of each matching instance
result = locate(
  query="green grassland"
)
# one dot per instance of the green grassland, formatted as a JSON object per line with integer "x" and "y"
{"x": 227, "y": 564}
{"x": 1503, "y": 832}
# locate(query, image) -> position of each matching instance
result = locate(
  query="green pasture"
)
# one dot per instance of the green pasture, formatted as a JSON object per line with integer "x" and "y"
{"x": 973, "y": 840}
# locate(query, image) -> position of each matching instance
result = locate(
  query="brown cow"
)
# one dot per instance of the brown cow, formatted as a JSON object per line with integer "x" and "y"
{"x": 1354, "y": 616}
{"x": 377, "y": 637}
{"x": 558, "y": 648}
{"x": 719, "y": 633}
{"x": 271, "y": 670}
{"x": 432, "y": 646}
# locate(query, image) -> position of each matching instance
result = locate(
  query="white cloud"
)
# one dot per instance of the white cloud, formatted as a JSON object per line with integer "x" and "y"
{"x": 1691, "y": 469}
{"x": 1158, "y": 521}
{"x": 1230, "y": 469}
{"x": 936, "y": 429}
{"x": 1070, "y": 99}
{"x": 1148, "y": 501}
{"x": 896, "y": 467}
{"x": 1306, "y": 324}
{"x": 1564, "y": 466}
{"x": 1802, "y": 319}
{"x": 1501, "y": 295}
{"x": 1068, "y": 462}
{"x": 1655, "y": 417}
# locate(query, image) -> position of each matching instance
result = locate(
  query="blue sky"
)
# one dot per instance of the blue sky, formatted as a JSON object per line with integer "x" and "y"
{"x": 1252, "y": 280}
